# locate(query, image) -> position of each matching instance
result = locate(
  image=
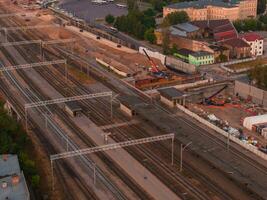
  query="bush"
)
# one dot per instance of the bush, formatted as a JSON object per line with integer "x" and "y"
{"x": 110, "y": 19}
{"x": 150, "y": 36}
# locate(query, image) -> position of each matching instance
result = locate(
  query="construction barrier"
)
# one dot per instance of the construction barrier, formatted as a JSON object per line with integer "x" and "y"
{"x": 246, "y": 91}
{"x": 153, "y": 54}
{"x": 224, "y": 133}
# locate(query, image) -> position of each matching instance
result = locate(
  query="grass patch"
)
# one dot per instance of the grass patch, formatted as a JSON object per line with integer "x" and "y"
{"x": 249, "y": 64}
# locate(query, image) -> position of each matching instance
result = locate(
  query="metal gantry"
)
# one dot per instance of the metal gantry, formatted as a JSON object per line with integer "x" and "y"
{"x": 7, "y": 44}
{"x": 31, "y": 65}
{"x": 63, "y": 100}
{"x": 108, "y": 147}
{"x": 15, "y": 28}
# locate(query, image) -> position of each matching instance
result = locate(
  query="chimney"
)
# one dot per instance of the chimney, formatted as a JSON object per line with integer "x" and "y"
{"x": 4, "y": 185}
{"x": 5, "y": 157}
{"x": 15, "y": 179}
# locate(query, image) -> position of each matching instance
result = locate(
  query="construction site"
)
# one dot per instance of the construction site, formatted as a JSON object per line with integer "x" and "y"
{"x": 113, "y": 122}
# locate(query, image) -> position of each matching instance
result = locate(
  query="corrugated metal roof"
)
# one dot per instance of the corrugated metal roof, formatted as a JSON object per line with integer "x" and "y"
{"x": 10, "y": 166}
{"x": 188, "y": 27}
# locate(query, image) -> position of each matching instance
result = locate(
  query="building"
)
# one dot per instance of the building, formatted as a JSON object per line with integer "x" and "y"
{"x": 73, "y": 108}
{"x": 195, "y": 58}
{"x": 171, "y": 96}
{"x": 238, "y": 48}
{"x": 255, "y": 41}
{"x": 201, "y": 58}
{"x": 214, "y": 9}
{"x": 216, "y": 30}
{"x": 183, "y": 54}
{"x": 13, "y": 184}
{"x": 221, "y": 53}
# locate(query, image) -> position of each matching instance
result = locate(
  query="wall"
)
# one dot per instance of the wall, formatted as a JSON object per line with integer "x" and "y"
{"x": 114, "y": 69}
{"x": 153, "y": 54}
{"x": 222, "y": 132}
{"x": 257, "y": 95}
{"x": 177, "y": 64}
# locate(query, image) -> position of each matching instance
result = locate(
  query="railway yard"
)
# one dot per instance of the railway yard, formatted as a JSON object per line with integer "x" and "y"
{"x": 142, "y": 171}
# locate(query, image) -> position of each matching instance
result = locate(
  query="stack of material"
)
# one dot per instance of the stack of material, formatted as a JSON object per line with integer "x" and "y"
{"x": 254, "y": 120}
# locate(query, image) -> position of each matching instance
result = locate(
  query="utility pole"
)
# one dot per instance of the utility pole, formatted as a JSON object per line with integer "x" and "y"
{"x": 181, "y": 154}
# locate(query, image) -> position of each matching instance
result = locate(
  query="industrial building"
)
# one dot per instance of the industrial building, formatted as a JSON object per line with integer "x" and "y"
{"x": 13, "y": 183}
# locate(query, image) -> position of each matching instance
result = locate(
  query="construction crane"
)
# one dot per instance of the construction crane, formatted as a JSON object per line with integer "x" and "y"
{"x": 210, "y": 101}
{"x": 154, "y": 69}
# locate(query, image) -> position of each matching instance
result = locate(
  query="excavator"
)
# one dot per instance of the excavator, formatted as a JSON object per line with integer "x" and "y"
{"x": 211, "y": 101}
{"x": 154, "y": 69}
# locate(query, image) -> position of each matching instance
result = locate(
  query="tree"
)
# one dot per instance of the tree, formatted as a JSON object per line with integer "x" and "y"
{"x": 259, "y": 75}
{"x": 132, "y": 5}
{"x": 261, "y": 6}
{"x": 176, "y": 17}
{"x": 248, "y": 25}
{"x": 166, "y": 41}
{"x": 150, "y": 36}
{"x": 110, "y": 19}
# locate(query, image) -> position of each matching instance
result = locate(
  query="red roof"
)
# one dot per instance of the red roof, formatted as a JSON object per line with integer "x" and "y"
{"x": 251, "y": 37}
{"x": 236, "y": 42}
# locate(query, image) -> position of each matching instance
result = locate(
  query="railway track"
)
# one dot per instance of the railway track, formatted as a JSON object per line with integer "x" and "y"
{"x": 198, "y": 194}
{"x": 196, "y": 128}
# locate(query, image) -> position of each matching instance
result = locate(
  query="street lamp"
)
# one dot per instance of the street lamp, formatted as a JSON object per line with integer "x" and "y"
{"x": 181, "y": 154}
{"x": 111, "y": 107}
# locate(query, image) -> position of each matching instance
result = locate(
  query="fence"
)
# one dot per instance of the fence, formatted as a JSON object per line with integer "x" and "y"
{"x": 222, "y": 132}
{"x": 246, "y": 91}
{"x": 223, "y": 65}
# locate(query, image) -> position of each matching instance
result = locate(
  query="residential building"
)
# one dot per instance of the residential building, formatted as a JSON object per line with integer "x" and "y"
{"x": 215, "y": 9}
{"x": 238, "y": 48}
{"x": 255, "y": 41}
{"x": 13, "y": 184}
{"x": 201, "y": 58}
{"x": 196, "y": 58}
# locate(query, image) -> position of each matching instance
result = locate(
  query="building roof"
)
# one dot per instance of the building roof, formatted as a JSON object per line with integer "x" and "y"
{"x": 9, "y": 166}
{"x": 13, "y": 191}
{"x": 201, "y": 53}
{"x": 187, "y": 27}
{"x": 130, "y": 101}
{"x": 212, "y": 24}
{"x": 185, "y": 52}
{"x": 218, "y": 48}
{"x": 250, "y": 37}
{"x": 171, "y": 93}
{"x": 236, "y": 42}
{"x": 73, "y": 105}
{"x": 202, "y": 4}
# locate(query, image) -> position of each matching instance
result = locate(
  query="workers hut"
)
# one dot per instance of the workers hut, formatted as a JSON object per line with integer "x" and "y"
{"x": 129, "y": 103}
{"x": 73, "y": 109}
{"x": 172, "y": 96}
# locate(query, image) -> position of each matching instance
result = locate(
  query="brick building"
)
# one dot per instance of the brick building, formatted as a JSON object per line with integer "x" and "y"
{"x": 215, "y": 9}
{"x": 238, "y": 48}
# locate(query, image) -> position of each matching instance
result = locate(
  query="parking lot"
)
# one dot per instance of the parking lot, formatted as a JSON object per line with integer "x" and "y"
{"x": 89, "y": 11}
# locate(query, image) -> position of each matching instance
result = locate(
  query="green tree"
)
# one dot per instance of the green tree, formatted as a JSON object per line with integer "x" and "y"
{"x": 248, "y": 25}
{"x": 174, "y": 49}
{"x": 110, "y": 19}
{"x": 166, "y": 41}
{"x": 261, "y": 6}
{"x": 132, "y": 5}
{"x": 176, "y": 17}
{"x": 259, "y": 75}
{"x": 35, "y": 181}
{"x": 150, "y": 36}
